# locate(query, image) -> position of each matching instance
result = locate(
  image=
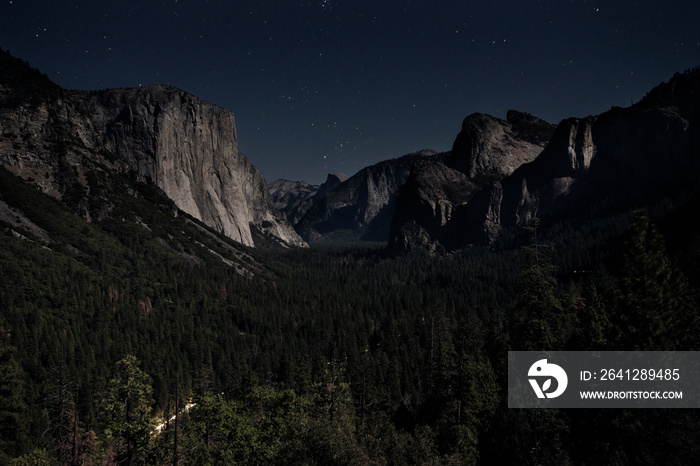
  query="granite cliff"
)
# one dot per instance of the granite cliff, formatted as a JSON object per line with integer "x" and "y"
{"x": 620, "y": 160}
{"x": 361, "y": 208}
{"x": 437, "y": 202}
{"x": 490, "y": 148}
{"x": 295, "y": 198}
{"x": 66, "y": 141}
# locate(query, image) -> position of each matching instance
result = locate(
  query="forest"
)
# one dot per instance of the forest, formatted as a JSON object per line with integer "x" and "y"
{"x": 147, "y": 338}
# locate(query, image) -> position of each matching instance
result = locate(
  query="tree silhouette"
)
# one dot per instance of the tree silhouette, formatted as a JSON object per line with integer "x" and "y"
{"x": 653, "y": 295}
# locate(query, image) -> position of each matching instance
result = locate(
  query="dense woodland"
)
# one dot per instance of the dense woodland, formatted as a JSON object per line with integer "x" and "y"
{"x": 329, "y": 355}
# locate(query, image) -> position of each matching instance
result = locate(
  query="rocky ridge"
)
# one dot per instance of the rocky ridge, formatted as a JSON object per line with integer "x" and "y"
{"x": 361, "y": 208}
{"x": 438, "y": 200}
{"x": 295, "y": 198}
{"x": 620, "y": 160}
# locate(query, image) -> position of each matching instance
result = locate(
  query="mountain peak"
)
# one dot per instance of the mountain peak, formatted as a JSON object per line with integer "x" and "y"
{"x": 488, "y": 147}
{"x": 333, "y": 180}
{"x": 336, "y": 176}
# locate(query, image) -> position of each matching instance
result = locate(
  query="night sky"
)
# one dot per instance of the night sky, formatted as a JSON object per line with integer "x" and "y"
{"x": 336, "y": 85}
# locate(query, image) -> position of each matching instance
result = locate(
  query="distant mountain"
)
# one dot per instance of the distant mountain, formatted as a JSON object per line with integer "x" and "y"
{"x": 620, "y": 160}
{"x": 333, "y": 180}
{"x": 295, "y": 198}
{"x": 361, "y": 208}
{"x": 69, "y": 144}
{"x": 431, "y": 208}
{"x": 292, "y": 198}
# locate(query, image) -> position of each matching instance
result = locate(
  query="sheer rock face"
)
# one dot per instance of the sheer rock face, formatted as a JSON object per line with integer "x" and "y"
{"x": 620, "y": 160}
{"x": 292, "y": 198}
{"x": 430, "y": 207}
{"x": 490, "y": 148}
{"x": 543, "y": 186}
{"x": 333, "y": 180}
{"x": 361, "y": 208}
{"x": 439, "y": 201}
{"x": 295, "y": 198}
{"x": 186, "y": 146}
{"x": 189, "y": 149}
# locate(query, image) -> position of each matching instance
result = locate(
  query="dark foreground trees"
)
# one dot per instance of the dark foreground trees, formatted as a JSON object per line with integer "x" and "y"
{"x": 13, "y": 409}
{"x": 323, "y": 356}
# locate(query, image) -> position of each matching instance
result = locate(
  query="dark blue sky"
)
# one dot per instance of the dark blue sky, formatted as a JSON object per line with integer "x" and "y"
{"x": 335, "y": 85}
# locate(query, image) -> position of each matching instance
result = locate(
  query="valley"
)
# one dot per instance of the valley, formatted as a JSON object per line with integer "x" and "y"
{"x": 145, "y": 267}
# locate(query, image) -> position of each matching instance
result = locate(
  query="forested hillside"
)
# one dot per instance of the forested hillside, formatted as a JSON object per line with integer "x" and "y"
{"x": 323, "y": 356}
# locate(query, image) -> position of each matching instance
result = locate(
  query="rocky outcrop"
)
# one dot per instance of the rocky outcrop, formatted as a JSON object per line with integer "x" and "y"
{"x": 620, "y": 160}
{"x": 543, "y": 185}
{"x": 361, "y": 208}
{"x": 439, "y": 201}
{"x": 292, "y": 198}
{"x": 333, "y": 180}
{"x": 430, "y": 207}
{"x": 490, "y": 148}
{"x": 185, "y": 146}
{"x": 295, "y": 198}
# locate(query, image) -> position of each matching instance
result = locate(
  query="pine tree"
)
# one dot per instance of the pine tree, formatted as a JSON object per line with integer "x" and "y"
{"x": 653, "y": 296}
{"x": 125, "y": 411}
{"x": 544, "y": 318}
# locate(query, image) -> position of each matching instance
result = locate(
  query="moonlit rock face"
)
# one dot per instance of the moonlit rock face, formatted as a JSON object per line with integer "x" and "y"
{"x": 441, "y": 201}
{"x": 488, "y": 147}
{"x": 189, "y": 149}
{"x": 598, "y": 165}
{"x": 295, "y": 198}
{"x": 361, "y": 207}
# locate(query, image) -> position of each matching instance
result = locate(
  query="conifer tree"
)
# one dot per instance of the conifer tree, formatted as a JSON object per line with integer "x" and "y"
{"x": 543, "y": 317}
{"x": 653, "y": 295}
{"x": 125, "y": 411}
